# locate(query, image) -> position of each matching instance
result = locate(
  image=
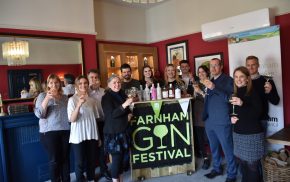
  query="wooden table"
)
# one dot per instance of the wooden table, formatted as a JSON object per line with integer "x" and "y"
{"x": 281, "y": 137}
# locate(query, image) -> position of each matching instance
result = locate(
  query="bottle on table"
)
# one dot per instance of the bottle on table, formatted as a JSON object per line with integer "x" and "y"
{"x": 140, "y": 93}
{"x": 164, "y": 92}
{"x": 177, "y": 93}
{"x": 159, "y": 92}
{"x": 147, "y": 93}
{"x": 171, "y": 92}
{"x": 153, "y": 92}
{"x": 190, "y": 89}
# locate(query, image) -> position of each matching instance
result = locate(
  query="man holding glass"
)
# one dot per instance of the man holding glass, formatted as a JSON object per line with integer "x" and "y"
{"x": 97, "y": 92}
{"x": 217, "y": 120}
{"x": 265, "y": 87}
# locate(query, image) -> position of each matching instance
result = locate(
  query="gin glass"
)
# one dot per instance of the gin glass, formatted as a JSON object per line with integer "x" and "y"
{"x": 230, "y": 100}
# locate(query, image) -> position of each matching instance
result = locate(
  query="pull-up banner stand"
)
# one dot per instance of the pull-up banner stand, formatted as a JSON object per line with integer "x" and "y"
{"x": 265, "y": 44}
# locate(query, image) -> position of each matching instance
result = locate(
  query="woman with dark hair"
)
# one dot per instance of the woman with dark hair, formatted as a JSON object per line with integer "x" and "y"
{"x": 148, "y": 77}
{"x": 248, "y": 133}
{"x": 198, "y": 105}
{"x": 51, "y": 109}
{"x": 117, "y": 113}
{"x": 82, "y": 113}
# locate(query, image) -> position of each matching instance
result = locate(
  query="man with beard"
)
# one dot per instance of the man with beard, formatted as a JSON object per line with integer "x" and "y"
{"x": 128, "y": 82}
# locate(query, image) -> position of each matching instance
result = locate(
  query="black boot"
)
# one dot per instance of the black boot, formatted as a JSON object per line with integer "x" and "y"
{"x": 206, "y": 163}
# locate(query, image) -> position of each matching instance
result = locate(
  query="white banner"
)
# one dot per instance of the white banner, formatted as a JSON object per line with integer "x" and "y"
{"x": 265, "y": 44}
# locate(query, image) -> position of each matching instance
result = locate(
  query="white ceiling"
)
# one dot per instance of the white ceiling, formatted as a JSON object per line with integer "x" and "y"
{"x": 133, "y": 5}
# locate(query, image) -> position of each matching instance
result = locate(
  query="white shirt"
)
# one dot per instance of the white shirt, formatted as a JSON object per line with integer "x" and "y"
{"x": 85, "y": 127}
{"x": 98, "y": 94}
{"x": 69, "y": 89}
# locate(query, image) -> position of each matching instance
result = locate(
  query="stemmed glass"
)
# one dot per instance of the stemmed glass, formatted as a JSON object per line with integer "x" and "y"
{"x": 268, "y": 76}
{"x": 53, "y": 91}
{"x": 233, "y": 111}
{"x": 205, "y": 88}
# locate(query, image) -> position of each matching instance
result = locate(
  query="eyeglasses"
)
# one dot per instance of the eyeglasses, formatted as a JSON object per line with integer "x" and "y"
{"x": 214, "y": 65}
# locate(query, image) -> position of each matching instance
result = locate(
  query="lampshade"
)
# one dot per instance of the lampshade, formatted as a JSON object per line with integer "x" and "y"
{"x": 142, "y": 1}
{"x": 15, "y": 52}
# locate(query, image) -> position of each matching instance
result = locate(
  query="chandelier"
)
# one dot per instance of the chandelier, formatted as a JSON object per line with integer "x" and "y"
{"x": 15, "y": 52}
{"x": 143, "y": 1}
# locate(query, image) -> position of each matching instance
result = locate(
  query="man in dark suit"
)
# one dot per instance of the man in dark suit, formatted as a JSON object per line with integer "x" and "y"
{"x": 217, "y": 120}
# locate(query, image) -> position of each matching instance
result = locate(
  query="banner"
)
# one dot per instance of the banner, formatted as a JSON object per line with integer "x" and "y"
{"x": 161, "y": 134}
{"x": 265, "y": 44}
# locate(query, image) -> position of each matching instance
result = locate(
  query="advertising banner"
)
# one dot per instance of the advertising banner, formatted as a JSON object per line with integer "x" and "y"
{"x": 265, "y": 44}
{"x": 161, "y": 134}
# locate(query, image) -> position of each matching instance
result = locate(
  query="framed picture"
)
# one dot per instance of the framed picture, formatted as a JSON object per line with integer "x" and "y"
{"x": 205, "y": 59}
{"x": 176, "y": 52}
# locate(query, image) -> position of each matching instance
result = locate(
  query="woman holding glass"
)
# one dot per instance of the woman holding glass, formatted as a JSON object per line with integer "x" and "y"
{"x": 198, "y": 105}
{"x": 116, "y": 110}
{"x": 51, "y": 109}
{"x": 248, "y": 134}
{"x": 82, "y": 113}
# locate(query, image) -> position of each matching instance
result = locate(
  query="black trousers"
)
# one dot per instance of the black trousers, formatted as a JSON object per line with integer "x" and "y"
{"x": 200, "y": 139}
{"x": 251, "y": 171}
{"x": 117, "y": 165}
{"x": 56, "y": 143}
{"x": 102, "y": 157}
{"x": 85, "y": 158}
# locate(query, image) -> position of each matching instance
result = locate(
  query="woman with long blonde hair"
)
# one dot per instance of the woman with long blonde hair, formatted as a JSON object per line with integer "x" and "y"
{"x": 171, "y": 77}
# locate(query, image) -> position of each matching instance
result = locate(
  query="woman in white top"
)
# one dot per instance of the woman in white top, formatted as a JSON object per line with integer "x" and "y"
{"x": 84, "y": 136}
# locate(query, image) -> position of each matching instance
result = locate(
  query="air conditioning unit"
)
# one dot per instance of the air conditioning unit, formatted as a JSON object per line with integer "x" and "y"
{"x": 222, "y": 28}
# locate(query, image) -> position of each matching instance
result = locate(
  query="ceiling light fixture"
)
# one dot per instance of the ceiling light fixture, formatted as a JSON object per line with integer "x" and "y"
{"x": 15, "y": 52}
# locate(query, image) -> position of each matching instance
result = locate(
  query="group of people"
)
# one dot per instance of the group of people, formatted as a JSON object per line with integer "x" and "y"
{"x": 242, "y": 134}
{"x": 94, "y": 121}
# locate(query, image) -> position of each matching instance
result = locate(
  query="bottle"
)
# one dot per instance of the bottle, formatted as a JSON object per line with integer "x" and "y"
{"x": 158, "y": 91}
{"x": 141, "y": 93}
{"x": 177, "y": 93}
{"x": 170, "y": 91}
{"x": 147, "y": 93}
{"x": 153, "y": 92}
{"x": 112, "y": 62}
{"x": 190, "y": 87}
{"x": 145, "y": 61}
{"x": 164, "y": 92}
{"x": 1, "y": 103}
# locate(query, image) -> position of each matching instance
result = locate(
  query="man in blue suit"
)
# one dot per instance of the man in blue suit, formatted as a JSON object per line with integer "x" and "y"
{"x": 217, "y": 120}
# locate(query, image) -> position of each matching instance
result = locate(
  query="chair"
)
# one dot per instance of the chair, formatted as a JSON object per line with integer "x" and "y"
{"x": 16, "y": 109}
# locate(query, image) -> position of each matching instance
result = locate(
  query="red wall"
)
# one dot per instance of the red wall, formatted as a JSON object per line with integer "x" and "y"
{"x": 284, "y": 22}
{"x": 88, "y": 42}
{"x": 89, "y": 54}
{"x": 196, "y": 46}
{"x": 60, "y": 70}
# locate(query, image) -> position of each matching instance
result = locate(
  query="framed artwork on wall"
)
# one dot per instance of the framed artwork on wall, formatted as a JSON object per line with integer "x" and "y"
{"x": 205, "y": 59}
{"x": 176, "y": 52}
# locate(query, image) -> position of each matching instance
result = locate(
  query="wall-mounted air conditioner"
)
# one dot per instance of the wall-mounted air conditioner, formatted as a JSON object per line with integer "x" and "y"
{"x": 222, "y": 28}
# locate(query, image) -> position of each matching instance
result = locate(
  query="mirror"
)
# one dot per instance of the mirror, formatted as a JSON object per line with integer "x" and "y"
{"x": 47, "y": 55}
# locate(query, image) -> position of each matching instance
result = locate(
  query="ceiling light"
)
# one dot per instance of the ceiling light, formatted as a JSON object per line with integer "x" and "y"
{"x": 15, "y": 52}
